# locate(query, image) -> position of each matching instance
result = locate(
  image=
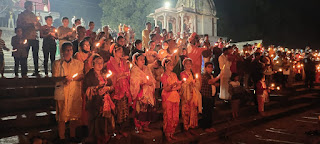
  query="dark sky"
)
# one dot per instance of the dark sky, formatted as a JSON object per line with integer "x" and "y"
{"x": 88, "y": 9}
{"x": 291, "y": 23}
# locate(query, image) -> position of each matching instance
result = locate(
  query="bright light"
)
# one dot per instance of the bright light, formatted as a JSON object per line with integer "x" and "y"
{"x": 167, "y": 4}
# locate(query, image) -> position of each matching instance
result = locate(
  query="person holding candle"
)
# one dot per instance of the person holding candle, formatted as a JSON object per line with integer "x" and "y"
{"x": 224, "y": 64}
{"x": 262, "y": 91}
{"x": 30, "y": 24}
{"x": 208, "y": 92}
{"x": 85, "y": 55}
{"x": 69, "y": 104}
{"x": 20, "y": 55}
{"x": 151, "y": 54}
{"x": 122, "y": 96}
{"x": 163, "y": 53}
{"x": 98, "y": 87}
{"x": 191, "y": 100}
{"x": 145, "y": 35}
{"x": 142, "y": 90}
{"x": 49, "y": 43}
{"x": 195, "y": 52}
{"x": 170, "y": 100}
{"x": 137, "y": 48}
{"x": 65, "y": 33}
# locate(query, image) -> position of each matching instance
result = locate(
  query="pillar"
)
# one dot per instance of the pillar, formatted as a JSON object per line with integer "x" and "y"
{"x": 167, "y": 25}
{"x": 155, "y": 21}
{"x": 177, "y": 24}
{"x": 182, "y": 28}
{"x": 164, "y": 25}
{"x": 215, "y": 30}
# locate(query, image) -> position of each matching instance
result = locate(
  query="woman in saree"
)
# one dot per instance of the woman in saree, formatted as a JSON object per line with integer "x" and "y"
{"x": 191, "y": 100}
{"x": 99, "y": 105}
{"x": 142, "y": 90}
{"x": 120, "y": 79}
{"x": 170, "y": 100}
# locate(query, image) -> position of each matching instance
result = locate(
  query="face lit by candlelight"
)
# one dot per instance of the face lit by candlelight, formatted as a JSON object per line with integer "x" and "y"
{"x": 98, "y": 64}
{"x": 188, "y": 65}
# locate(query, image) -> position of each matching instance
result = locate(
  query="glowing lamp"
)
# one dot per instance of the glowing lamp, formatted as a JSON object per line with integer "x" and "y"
{"x": 167, "y": 4}
{"x": 25, "y": 41}
{"x": 109, "y": 74}
{"x": 75, "y": 75}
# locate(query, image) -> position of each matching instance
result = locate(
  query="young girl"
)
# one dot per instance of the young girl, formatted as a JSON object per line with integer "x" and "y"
{"x": 170, "y": 100}
{"x": 237, "y": 92}
{"x": 190, "y": 97}
{"x": 142, "y": 89}
{"x": 262, "y": 93}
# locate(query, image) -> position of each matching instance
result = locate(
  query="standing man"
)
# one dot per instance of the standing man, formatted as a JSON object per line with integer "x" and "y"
{"x": 69, "y": 102}
{"x": 65, "y": 33}
{"x": 47, "y": 32}
{"x": 29, "y": 23}
{"x": 145, "y": 35}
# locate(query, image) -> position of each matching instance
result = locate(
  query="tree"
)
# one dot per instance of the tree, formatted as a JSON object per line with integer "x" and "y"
{"x": 129, "y": 12}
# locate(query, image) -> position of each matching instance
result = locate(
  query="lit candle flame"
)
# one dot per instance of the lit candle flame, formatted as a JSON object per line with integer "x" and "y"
{"x": 175, "y": 51}
{"x": 98, "y": 44}
{"x": 301, "y": 65}
{"x": 280, "y": 70}
{"x": 272, "y": 85}
{"x": 147, "y": 77}
{"x": 109, "y": 74}
{"x": 184, "y": 79}
{"x": 131, "y": 65}
{"x": 38, "y": 18}
{"x": 197, "y": 76}
{"x": 73, "y": 29}
{"x": 278, "y": 88}
{"x": 56, "y": 30}
{"x": 25, "y": 41}
{"x": 75, "y": 75}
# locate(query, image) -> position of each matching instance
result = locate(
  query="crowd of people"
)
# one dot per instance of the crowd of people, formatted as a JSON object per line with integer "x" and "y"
{"x": 106, "y": 76}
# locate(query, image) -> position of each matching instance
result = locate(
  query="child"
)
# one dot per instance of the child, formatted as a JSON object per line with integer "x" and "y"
{"x": 170, "y": 100}
{"x": 190, "y": 98}
{"x": 20, "y": 53}
{"x": 236, "y": 91}
{"x": 208, "y": 92}
{"x": 2, "y": 47}
{"x": 261, "y": 92}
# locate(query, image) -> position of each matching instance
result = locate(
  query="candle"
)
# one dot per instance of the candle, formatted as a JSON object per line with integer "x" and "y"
{"x": 280, "y": 70}
{"x": 109, "y": 74}
{"x": 175, "y": 51}
{"x": 25, "y": 41}
{"x": 56, "y": 30}
{"x": 75, "y": 75}
{"x": 147, "y": 77}
{"x": 73, "y": 29}
{"x": 272, "y": 85}
{"x": 301, "y": 65}
{"x": 131, "y": 65}
{"x": 184, "y": 79}
{"x": 278, "y": 88}
{"x": 98, "y": 44}
{"x": 197, "y": 76}
{"x": 38, "y": 18}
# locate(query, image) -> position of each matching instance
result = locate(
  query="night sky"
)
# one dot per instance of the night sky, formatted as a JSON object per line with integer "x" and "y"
{"x": 291, "y": 23}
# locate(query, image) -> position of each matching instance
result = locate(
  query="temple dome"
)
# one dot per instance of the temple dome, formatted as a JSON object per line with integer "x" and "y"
{"x": 206, "y": 7}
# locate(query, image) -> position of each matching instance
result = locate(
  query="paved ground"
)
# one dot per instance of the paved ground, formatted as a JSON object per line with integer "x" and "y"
{"x": 287, "y": 130}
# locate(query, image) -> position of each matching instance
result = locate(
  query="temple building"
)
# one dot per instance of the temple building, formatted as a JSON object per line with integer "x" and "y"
{"x": 188, "y": 16}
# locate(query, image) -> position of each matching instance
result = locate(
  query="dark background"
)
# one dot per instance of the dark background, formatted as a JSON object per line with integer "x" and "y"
{"x": 290, "y": 23}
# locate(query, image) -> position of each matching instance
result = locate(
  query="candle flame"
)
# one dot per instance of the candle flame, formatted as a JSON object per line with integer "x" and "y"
{"x": 272, "y": 85}
{"x": 184, "y": 79}
{"x": 147, "y": 77}
{"x": 278, "y": 88}
{"x": 109, "y": 74}
{"x": 75, "y": 75}
{"x": 56, "y": 30}
{"x": 131, "y": 65}
{"x": 97, "y": 44}
{"x": 25, "y": 41}
{"x": 197, "y": 76}
{"x": 175, "y": 51}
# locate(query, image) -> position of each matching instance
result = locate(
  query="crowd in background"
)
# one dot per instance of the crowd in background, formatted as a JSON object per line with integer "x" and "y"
{"x": 108, "y": 77}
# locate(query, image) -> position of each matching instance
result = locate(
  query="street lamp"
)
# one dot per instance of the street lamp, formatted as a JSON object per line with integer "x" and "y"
{"x": 167, "y": 4}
